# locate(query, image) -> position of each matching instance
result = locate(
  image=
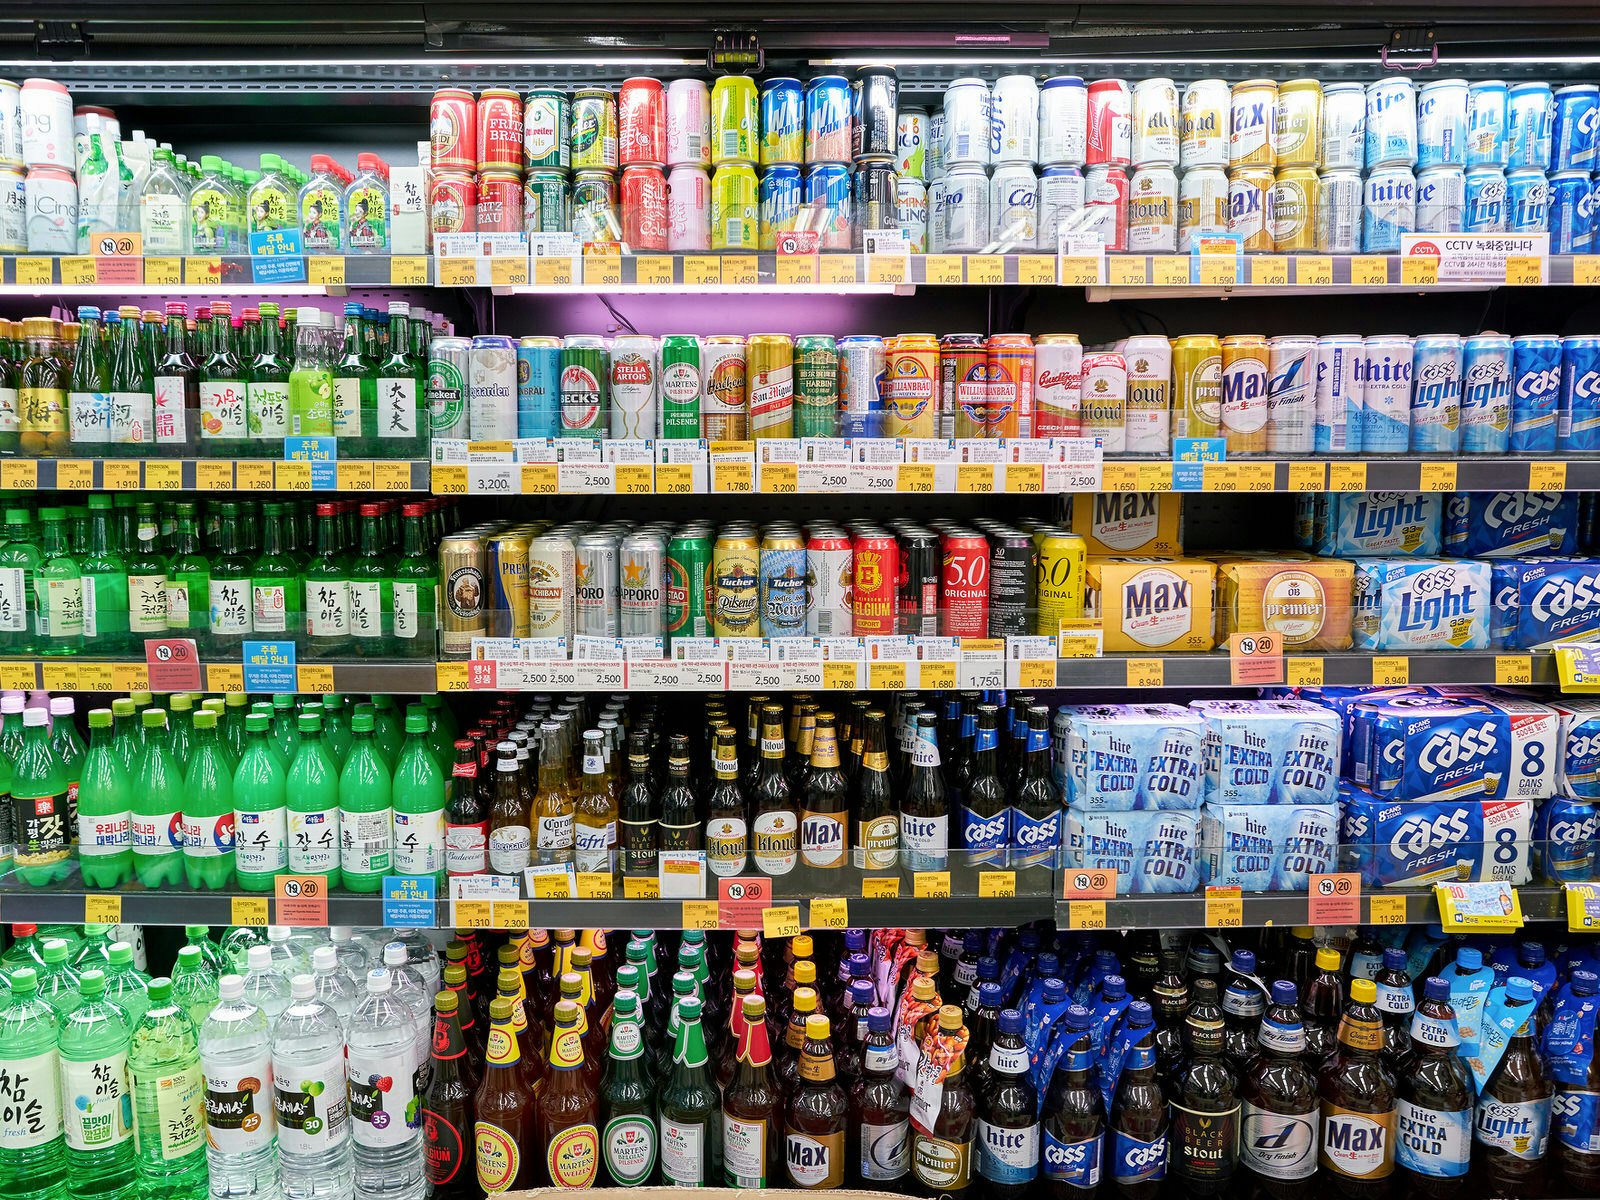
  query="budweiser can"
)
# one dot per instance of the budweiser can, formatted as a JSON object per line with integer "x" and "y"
{"x": 1202, "y": 205}
{"x": 644, "y": 207}
{"x": 633, "y": 386}
{"x": 688, "y": 208}
{"x": 876, "y": 574}
{"x": 688, "y": 124}
{"x": 829, "y": 573}
{"x": 1105, "y": 191}
{"x": 453, "y": 202}
{"x": 1153, "y": 209}
{"x": 1057, "y": 385}
{"x": 1105, "y": 400}
{"x": 1110, "y": 132}
{"x": 1204, "y": 128}
{"x": 964, "y": 585}
{"x": 642, "y": 122}
{"x": 1155, "y": 123}
{"x": 1147, "y": 415}
{"x": 1010, "y": 385}
{"x": 453, "y": 131}
{"x": 499, "y": 202}
{"x": 499, "y": 130}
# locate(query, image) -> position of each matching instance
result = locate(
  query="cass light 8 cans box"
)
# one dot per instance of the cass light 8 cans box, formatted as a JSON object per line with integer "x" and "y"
{"x": 1305, "y": 601}
{"x": 1151, "y": 603}
{"x": 1370, "y": 523}
{"x": 1112, "y": 523}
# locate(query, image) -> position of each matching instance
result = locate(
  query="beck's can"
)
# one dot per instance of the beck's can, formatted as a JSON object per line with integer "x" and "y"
{"x": 585, "y": 387}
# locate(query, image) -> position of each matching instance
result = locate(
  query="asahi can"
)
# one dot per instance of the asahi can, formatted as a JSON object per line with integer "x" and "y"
{"x": 1294, "y": 210}
{"x": 964, "y": 585}
{"x": 462, "y": 565}
{"x": 552, "y": 586}
{"x": 642, "y": 586}
{"x": 1147, "y": 418}
{"x": 1060, "y": 579}
{"x": 452, "y": 130}
{"x": 633, "y": 386}
{"x": 689, "y": 585}
{"x": 816, "y": 386}
{"x": 736, "y": 581}
{"x": 546, "y": 130}
{"x": 1245, "y": 411}
{"x": 1105, "y": 400}
{"x": 1250, "y": 195}
{"x": 783, "y": 583}
{"x": 688, "y": 208}
{"x": 1197, "y": 385}
{"x": 874, "y": 588}
{"x": 585, "y": 387}
{"x": 724, "y": 416}
{"x": 1202, "y": 205}
{"x": 1057, "y": 385}
{"x": 830, "y": 572}
{"x": 1253, "y": 127}
{"x": 1155, "y": 123}
{"x": 594, "y": 130}
{"x": 508, "y": 585}
{"x": 642, "y": 122}
{"x": 492, "y": 389}
{"x": 911, "y": 405}
{"x": 1299, "y": 125}
{"x": 688, "y": 123}
{"x": 680, "y": 387}
{"x": 1205, "y": 124}
{"x": 735, "y": 120}
{"x": 769, "y": 374}
{"x": 595, "y": 596}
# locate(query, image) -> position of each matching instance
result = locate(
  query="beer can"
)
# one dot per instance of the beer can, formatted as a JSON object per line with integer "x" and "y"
{"x": 1577, "y": 119}
{"x": 499, "y": 206}
{"x": 779, "y": 193}
{"x": 585, "y": 387}
{"x": 552, "y": 586}
{"x": 452, "y": 130}
{"x": 1014, "y": 120}
{"x": 724, "y": 416}
{"x": 962, "y": 213}
{"x": 546, "y": 130}
{"x": 1105, "y": 400}
{"x": 1013, "y": 583}
{"x": 1527, "y": 201}
{"x": 1535, "y": 391}
{"x": 594, "y": 130}
{"x": 1386, "y": 393}
{"x": 644, "y": 207}
{"x": 1060, "y": 579}
{"x": 1250, "y": 211}
{"x": 1291, "y": 394}
{"x": 1057, "y": 385}
{"x": 831, "y": 204}
{"x": 829, "y": 577}
{"x": 769, "y": 371}
{"x": 642, "y": 122}
{"x": 1061, "y": 197}
{"x": 1388, "y": 209}
{"x": 1202, "y": 205}
{"x": 735, "y": 207}
{"x": 597, "y": 573}
{"x": 966, "y": 123}
{"x": 452, "y": 203}
{"x": 828, "y": 133}
{"x": 1245, "y": 410}
{"x": 508, "y": 585}
{"x": 911, "y": 143}
{"x": 918, "y": 586}
{"x": 1442, "y": 124}
{"x": 1204, "y": 124}
{"x": 1253, "y": 124}
{"x": 1485, "y": 393}
{"x": 736, "y": 583}
{"x": 874, "y": 584}
{"x": 633, "y": 386}
{"x": 874, "y": 197}
{"x": 963, "y": 385}
{"x": 689, "y": 585}
{"x": 1014, "y": 204}
{"x": 1436, "y": 395}
{"x": 1578, "y": 414}
{"x": 911, "y": 403}
{"x": 1338, "y": 395}
{"x": 688, "y": 123}
{"x": 642, "y": 586}
{"x": 862, "y": 385}
{"x": 1344, "y": 127}
{"x": 1063, "y": 121}
{"x": 1485, "y": 200}
{"x": 688, "y": 208}
{"x": 933, "y": 156}
{"x": 874, "y": 98}
{"x": 1147, "y": 417}
{"x": 1571, "y": 213}
{"x": 1110, "y": 124}
{"x": 783, "y": 122}
{"x": 449, "y": 372}
{"x": 594, "y": 207}
{"x": 964, "y": 585}
{"x": 1486, "y": 123}
{"x": 463, "y": 563}
{"x": 1391, "y": 123}
{"x": 1197, "y": 385}
{"x": 816, "y": 386}
{"x": 1294, "y": 210}
{"x": 783, "y": 584}
{"x": 680, "y": 387}
{"x": 546, "y": 203}
{"x": 492, "y": 389}
{"x": 735, "y": 120}
{"x": 1339, "y": 195}
{"x": 1155, "y": 123}
{"x": 538, "y": 387}
{"x": 1441, "y": 199}
{"x": 911, "y": 212}
{"x": 1105, "y": 205}
{"x": 1010, "y": 378}
{"x": 1153, "y": 210}
{"x": 1299, "y": 123}
{"x": 1530, "y": 125}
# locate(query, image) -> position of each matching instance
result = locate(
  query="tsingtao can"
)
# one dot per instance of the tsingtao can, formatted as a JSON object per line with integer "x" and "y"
{"x": 463, "y": 561}
{"x": 1060, "y": 579}
{"x": 736, "y": 579}
{"x": 689, "y": 585}
{"x": 552, "y": 586}
{"x": 642, "y": 586}
{"x": 723, "y": 412}
{"x": 769, "y": 375}
{"x": 1197, "y": 385}
{"x": 816, "y": 386}
{"x": 1299, "y": 123}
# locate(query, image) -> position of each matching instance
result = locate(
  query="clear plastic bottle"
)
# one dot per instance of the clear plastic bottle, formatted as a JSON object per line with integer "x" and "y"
{"x": 216, "y": 962}
{"x": 334, "y": 984}
{"x": 322, "y": 208}
{"x": 164, "y": 208}
{"x": 352, "y": 952}
{"x": 309, "y": 1092}
{"x": 98, "y": 188}
{"x": 193, "y": 985}
{"x": 58, "y": 982}
{"x": 241, "y": 1126}
{"x": 366, "y": 207}
{"x": 286, "y": 957}
{"x": 168, "y": 1100}
{"x": 97, "y": 1097}
{"x": 237, "y": 941}
{"x": 209, "y": 209}
{"x": 126, "y": 986}
{"x": 422, "y": 957}
{"x": 406, "y": 986}
{"x": 264, "y": 984}
{"x": 385, "y": 1099}
{"x": 272, "y": 200}
{"x": 32, "y": 1165}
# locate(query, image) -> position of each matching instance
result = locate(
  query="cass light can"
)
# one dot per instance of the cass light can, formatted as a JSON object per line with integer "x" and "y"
{"x": 1485, "y": 394}
{"x": 1527, "y": 201}
{"x": 1060, "y": 579}
{"x": 1577, "y": 122}
{"x": 963, "y": 384}
{"x": 919, "y": 601}
{"x": 1436, "y": 394}
{"x": 1245, "y": 412}
{"x": 1535, "y": 393}
{"x": 1250, "y": 212}
{"x": 783, "y": 122}
{"x": 463, "y": 563}
{"x": 1442, "y": 124}
{"x": 1571, "y": 213}
{"x": 1013, "y": 204}
{"x": 1484, "y": 201}
{"x": 1298, "y": 136}
{"x": 1291, "y": 394}
{"x": 1386, "y": 363}
{"x": 829, "y": 573}
{"x": 783, "y": 583}
{"x": 452, "y": 130}
{"x": 598, "y": 573}
{"x": 1153, "y": 210}
{"x": 552, "y": 586}
{"x": 1338, "y": 395}
{"x": 538, "y": 386}
{"x": 642, "y": 586}
{"x": 832, "y": 205}
{"x": 680, "y": 387}
{"x": 874, "y": 584}
{"x": 1147, "y": 417}
{"x": 507, "y": 606}
{"x": 634, "y": 393}
{"x": 1155, "y": 123}
{"x": 911, "y": 403}
{"x": 594, "y": 130}
{"x": 1014, "y": 120}
{"x": 1486, "y": 123}
{"x": 546, "y": 131}
{"x": 1202, "y": 204}
{"x": 1013, "y": 583}
{"x": 499, "y": 202}
{"x": 1010, "y": 377}
{"x": 1388, "y": 209}
{"x": 1063, "y": 121}
{"x": 689, "y": 586}
{"x": 874, "y": 97}
{"x": 736, "y": 582}
{"x": 452, "y": 202}
{"x": 911, "y": 212}
{"x": 966, "y": 123}
{"x": 873, "y": 185}
{"x": 735, "y": 120}
{"x": 816, "y": 386}
{"x": 1057, "y": 385}
{"x": 828, "y": 137}
{"x": 911, "y": 143}
{"x": 1530, "y": 123}
{"x": 1204, "y": 124}
{"x": 585, "y": 379}
{"x": 769, "y": 371}
{"x": 546, "y": 203}
{"x": 1339, "y": 212}
{"x": 1441, "y": 199}
{"x": 449, "y": 369}
{"x": 688, "y": 208}
{"x": 1061, "y": 195}
{"x": 1110, "y": 123}
{"x": 1252, "y": 125}
{"x": 1391, "y": 123}
{"x": 1294, "y": 210}
{"x": 962, "y": 214}
{"x": 735, "y": 207}
{"x": 1197, "y": 385}
{"x": 688, "y": 123}
{"x": 779, "y": 192}
{"x": 1105, "y": 204}
{"x": 723, "y": 414}
{"x": 862, "y": 384}
{"x": 594, "y": 207}
{"x": 1578, "y": 417}
{"x": 644, "y": 207}
{"x": 492, "y": 389}
{"x": 1105, "y": 400}
{"x": 964, "y": 585}
{"x": 1344, "y": 127}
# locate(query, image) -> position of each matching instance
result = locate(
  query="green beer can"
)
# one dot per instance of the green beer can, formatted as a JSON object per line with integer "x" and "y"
{"x": 680, "y": 386}
{"x": 585, "y": 387}
{"x": 688, "y": 585}
{"x": 816, "y": 386}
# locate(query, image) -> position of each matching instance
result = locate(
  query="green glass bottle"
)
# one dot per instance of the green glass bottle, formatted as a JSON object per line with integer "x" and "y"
{"x": 233, "y": 711}
{"x": 230, "y": 591}
{"x": 390, "y": 728}
{"x": 33, "y": 1163}
{"x": 267, "y": 393}
{"x": 416, "y": 589}
{"x": 39, "y": 806}
{"x": 224, "y": 425}
{"x": 419, "y": 805}
{"x": 336, "y": 725}
{"x": 69, "y": 748}
{"x": 355, "y": 389}
{"x": 158, "y": 801}
{"x": 58, "y": 588}
{"x": 371, "y": 583}
{"x": 628, "y": 1140}
{"x": 105, "y": 851}
{"x": 401, "y": 419}
{"x": 275, "y": 584}
{"x": 133, "y": 401}
{"x": 97, "y": 1095}
{"x": 10, "y": 380}
{"x": 261, "y": 814}
{"x": 366, "y": 811}
{"x": 691, "y": 1129}
{"x": 146, "y": 578}
{"x": 442, "y": 730}
{"x": 19, "y": 567}
{"x": 168, "y": 1099}
{"x": 284, "y": 737}
{"x": 105, "y": 585}
{"x": 208, "y": 820}
{"x": 189, "y": 581}
{"x": 328, "y": 589}
{"x": 89, "y": 387}
{"x": 177, "y": 386}
{"x": 313, "y": 791}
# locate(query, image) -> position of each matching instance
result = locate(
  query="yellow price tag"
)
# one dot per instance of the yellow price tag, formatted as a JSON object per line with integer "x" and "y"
{"x": 293, "y": 476}
{"x": 986, "y": 269}
{"x": 829, "y": 913}
{"x": 19, "y": 677}
{"x": 1313, "y": 270}
{"x": 213, "y": 476}
{"x": 1510, "y": 669}
{"x": 1119, "y": 477}
{"x": 655, "y": 270}
{"x": 509, "y": 914}
{"x": 674, "y": 479}
{"x": 408, "y": 272}
{"x": 552, "y": 887}
{"x": 1224, "y": 907}
{"x": 163, "y": 272}
{"x": 95, "y": 677}
{"x": 931, "y": 885}
{"x": 79, "y": 271}
{"x": 1303, "y": 672}
{"x": 130, "y": 677}
{"x": 59, "y": 677}
{"x": 120, "y": 476}
{"x": 102, "y": 910}
{"x": 602, "y": 270}
{"x": 944, "y": 268}
{"x": 1524, "y": 271}
{"x": 1126, "y": 270}
{"x": 940, "y": 676}
{"x": 1080, "y": 272}
{"x": 1154, "y": 477}
{"x": 1579, "y": 918}
{"x": 1547, "y": 477}
{"x": 838, "y": 268}
{"x": 1256, "y": 478}
{"x": 886, "y": 268}
{"x": 508, "y": 271}
{"x": 538, "y": 479}
{"x": 202, "y": 272}
{"x": 324, "y": 270}
{"x": 700, "y": 270}
{"x": 886, "y": 676}
{"x": 74, "y": 474}
{"x": 1483, "y": 907}
{"x": 736, "y": 476}
{"x": 1219, "y": 270}
{"x": 880, "y": 888}
{"x": 1369, "y": 270}
{"x": 19, "y": 475}
{"x": 699, "y": 914}
{"x": 351, "y": 476}
{"x": 249, "y": 910}
{"x": 781, "y": 921}
{"x": 1586, "y": 270}
{"x": 553, "y": 270}
{"x": 914, "y": 477}
{"x": 739, "y": 270}
{"x": 1027, "y": 478}
{"x": 840, "y": 676}
{"x": 1386, "y": 910}
{"x": 594, "y": 885}
{"x": 391, "y": 476}
{"x": 253, "y": 476}
{"x": 1419, "y": 270}
{"x": 458, "y": 272}
{"x": 1308, "y": 476}
{"x": 1347, "y": 477}
{"x": 1391, "y": 671}
{"x": 1439, "y": 477}
{"x": 1146, "y": 673}
{"x": 1269, "y": 270}
{"x": 635, "y": 888}
{"x": 36, "y": 272}
{"x": 1036, "y": 269}
{"x": 796, "y": 268}
{"x": 1033, "y": 673}
{"x": 1169, "y": 270}
{"x": 471, "y": 914}
{"x": 1218, "y": 477}
{"x": 780, "y": 478}
{"x": 1086, "y": 914}
{"x": 163, "y": 476}
{"x": 314, "y": 678}
{"x": 635, "y": 479}
{"x": 224, "y": 677}
{"x": 997, "y": 883}
{"x": 974, "y": 477}
{"x": 451, "y": 677}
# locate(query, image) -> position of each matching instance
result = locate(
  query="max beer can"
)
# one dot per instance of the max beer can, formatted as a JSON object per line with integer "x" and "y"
{"x": 1245, "y": 408}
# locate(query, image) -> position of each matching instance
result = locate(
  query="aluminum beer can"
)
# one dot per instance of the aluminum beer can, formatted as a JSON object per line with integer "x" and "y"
{"x": 735, "y": 207}
{"x": 1013, "y": 204}
{"x": 736, "y": 582}
{"x": 1298, "y": 137}
{"x": 735, "y": 120}
{"x": 1441, "y": 199}
{"x": 492, "y": 389}
{"x": 1339, "y": 207}
{"x": 1063, "y": 121}
{"x": 918, "y": 600}
{"x": 874, "y": 591}
{"x": 1291, "y": 394}
{"x": 862, "y": 386}
{"x": 964, "y": 384}
{"x": 585, "y": 387}
{"x": 828, "y": 137}
{"x": 1061, "y": 196}
{"x": 780, "y": 194}
{"x": 449, "y": 374}
{"x": 874, "y": 192}
{"x": 598, "y": 573}
{"x": 783, "y": 583}
{"x": 499, "y": 205}
{"x": 538, "y": 386}
{"x": 1153, "y": 210}
{"x": 452, "y": 203}
{"x": 874, "y": 98}
{"x": 1294, "y": 210}
{"x": 1105, "y": 400}
{"x": 1155, "y": 123}
{"x": 644, "y": 207}
{"x": 594, "y": 206}
{"x": 680, "y": 377}
{"x": 642, "y": 586}
{"x": 1245, "y": 407}
{"x": 783, "y": 122}
{"x": 1388, "y": 209}
{"x": 1386, "y": 373}
{"x": 1197, "y": 386}
{"x": 1530, "y": 124}
{"x": 688, "y": 123}
{"x": 1527, "y": 201}
{"x": 452, "y": 130}
{"x": 1013, "y": 583}
{"x": 1571, "y": 213}
{"x": 911, "y": 211}
{"x": 829, "y": 571}
{"x": 724, "y": 416}
{"x": 1105, "y": 204}
{"x": 546, "y": 131}
{"x": 1391, "y": 123}
{"x": 1436, "y": 395}
{"x": 1250, "y": 211}
{"x": 816, "y": 386}
{"x": 1057, "y": 385}
{"x": 832, "y": 205}
{"x": 1535, "y": 393}
{"x": 688, "y": 208}
{"x": 966, "y": 122}
{"x": 1110, "y": 123}
{"x": 1147, "y": 419}
{"x": 769, "y": 375}
{"x": 634, "y": 393}
{"x": 963, "y": 214}
{"x": 1204, "y": 124}
{"x": 1344, "y": 127}
{"x": 911, "y": 402}
{"x": 594, "y": 130}
{"x": 689, "y": 585}
{"x": 1486, "y": 123}
{"x": 964, "y": 584}
{"x": 1202, "y": 204}
{"x": 1578, "y": 417}
{"x": 1577, "y": 124}
{"x": 1014, "y": 120}
{"x": 1339, "y": 391}
{"x": 642, "y": 122}
{"x": 933, "y": 154}
{"x": 1442, "y": 124}
{"x": 552, "y": 586}
{"x": 1060, "y": 579}
{"x": 499, "y": 130}
{"x": 1253, "y": 121}
{"x": 1485, "y": 200}
{"x": 507, "y": 606}
{"x": 1010, "y": 376}
{"x": 911, "y": 143}
{"x": 463, "y": 565}
{"x": 1485, "y": 394}
{"x": 546, "y": 203}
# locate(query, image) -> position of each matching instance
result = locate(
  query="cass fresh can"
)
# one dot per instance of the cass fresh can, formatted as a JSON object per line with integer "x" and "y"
{"x": 769, "y": 374}
{"x": 594, "y": 130}
{"x": 816, "y": 386}
{"x": 689, "y": 585}
{"x": 546, "y": 131}
{"x": 1060, "y": 579}
{"x": 735, "y": 207}
{"x": 911, "y": 406}
{"x": 735, "y": 120}
{"x": 1197, "y": 386}
{"x": 642, "y": 122}
{"x": 724, "y": 416}
{"x": 538, "y": 387}
{"x": 736, "y": 582}
{"x": 1299, "y": 124}
{"x": 964, "y": 585}
{"x": 680, "y": 387}
{"x": 1057, "y": 385}
{"x": 585, "y": 380}
{"x": 633, "y": 386}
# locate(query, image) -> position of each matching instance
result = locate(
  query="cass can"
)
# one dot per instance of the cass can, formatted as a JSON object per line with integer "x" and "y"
{"x": 963, "y": 384}
{"x": 499, "y": 130}
{"x": 688, "y": 123}
{"x": 1442, "y": 124}
{"x": 1344, "y": 127}
{"x": 1339, "y": 212}
{"x": 832, "y": 205}
{"x": 1291, "y": 394}
{"x": 1057, "y": 385}
{"x": 1388, "y": 209}
{"x": 452, "y": 130}
{"x": 1063, "y": 121}
{"x": 1147, "y": 419}
{"x": 783, "y": 583}
{"x": 1250, "y": 211}
{"x": 783, "y": 122}
{"x": 862, "y": 386}
{"x": 1485, "y": 394}
{"x": 1205, "y": 123}
{"x": 1391, "y": 123}
{"x": 634, "y": 386}
{"x": 1299, "y": 129}
{"x": 1153, "y": 210}
{"x": 546, "y": 203}
{"x": 1245, "y": 408}
{"x": 816, "y": 386}
{"x": 1484, "y": 200}
{"x": 911, "y": 211}
{"x": 594, "y": 130}
{"x": 780, "y": 193}
{"x": 1571, "y": 213}
{"x": 1060, "y": 577}
{"x": 1530, "y": 124}
{"x": 1436, "y": 395}
{"x": 1578, "y": 417}
{"x": 1573, "y": 140}
{"x": 1105, "y": 205}
{"x": 1527, "y": 201}
{"x": 1486, "y": 123}
{"x": 1014, "y": 120}
{"x": 1013, "y": 204}
{"x": 874, "y": 592}
{"x": 546, "y": 131}
{"x": 1197, "y": 386}
{"x": 1338, "y": 395}
{"x": 499, "y": 202}
{"x": 1110, "y": 123}
{"x": 874, "y": 97}
{"x": 642, "y": 122}
{"x": 1294, "y": 210}
{"x": 830, "y": 560}
{"x": 1202, "y": 204}
{"x": 724, "y": 416}
{"x": 507, "y": 606}
{"x": 736, "y": 582}
{"x": 538, "y": 386}
{"x": 963, "y": 214}
{"x": 911, "y": 144}
{"x": 688, "y": 208}
{"x": 689, "y": 586}
{"x": 911, "y": 403}
{"x": 1535, "y": 393}
{"x": 828, "y": 119}
{"x": 680, "y": 376}
{"x": 1441, "y": 199}
{"x": 1155, "y": 123}
{"x": 642, "y": 586}
{"x": 1253, "y": 133}
{"x": 1104, "y": 403}
{"x": 1013, "y": 583}
{"x": 735, "y": 207}
{"x": 585, "y": 387}
{"x": 735, "y": 120}
{"x": 1061, "y": 195}
{"x": 1386, "y": 363}
{"x": 552, "y": 586}
{"x": 769, "y": 375}
{"x": 644, "y": 207}
{"x": 463, "y": 563}
{"x": 964, "y": 585}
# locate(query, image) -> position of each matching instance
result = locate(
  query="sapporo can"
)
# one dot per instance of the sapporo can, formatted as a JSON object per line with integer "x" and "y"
{"x": 594, "y": 130}
{"x": 735, "y": 120}
{"x": 964, "y": 382}
{"x": 642, "y": 586}
{"x": 724, "y": 416}
{"x": 816, "y": 386}
{"x": 1299, "y": 132}
{"x": 453, "y": 202}
{"x": 1294, "y": 210}
{"x": 552, "y": 586}
{"x": 783, "y": 583}
{"x": 875, "y": 582}
{"x": 499, "y": 130}
{"x": 633, "y": 386}
{"x": 911, "y": 405}
{"x": 1010, "y": 379}
{"x": 644, "y": 207}
{"x": 769, "y": 375}
{"x": 1013, "y": 583}
{"x": 1197, "y": 385}
{"x": 463, "y": 561}
{"x": 1060, "y": 579}
{"x": 546, "y": 130}
{"x": 1250, "y": 206}
{"x": 453, "y": 130}
{"x": 499, "y": 202}
{"x": 546, "y": 204}
{"x": 918, "y": 599}
{"x": 689, "y": 557}
{"x": 680, "y": 387}
{"x": 585, "y": 386}
{"x": 735, "y": 207}
{"x": 508, "y": 585}
{"x": 1057, "y": 385}
{"x": 964, "y": 585}
{"x": 736, "y": 580}
{"x": 642, "y": 122}
{"x": 830, "y": 573}
{"x": 597, "y": 573}
{"x": 1245, "y": 358}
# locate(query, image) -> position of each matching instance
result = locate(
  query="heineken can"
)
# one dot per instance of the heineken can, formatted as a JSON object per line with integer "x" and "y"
{"x": 449, "y": 368}
{"x": 769, "y": 370}
{"x": 678, "y": 414}
{"x": 597, "y": 575}
{"x": 594, "y": 130}
{"x": 585, "y": 383}
{"x": 816, "y": 386}
{"x": 538, "y": 387}
{"x": 552, "y": 574}
{"x": 642, "y": 586}
{"x": 546, "y": 131}
{"x": 689, "y": 558}
{"x": 633, "y": 386}
{"x": 736, "y": 582}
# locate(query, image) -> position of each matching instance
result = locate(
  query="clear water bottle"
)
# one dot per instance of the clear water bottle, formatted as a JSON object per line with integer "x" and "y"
{"x": 238, "y": 940}
{"x": 385, "y": 1105}
{"x": 406, "y": 985}
{"x": 352, "y": 953}
{"x": 241, "y": 1127}
{"x": 264, "y": 984}
{"x": 372, "y": 941}
{"x": 168, "y": 1099}
{"x": 308, "y": 1080}
{"x": 333, "y": 985}
{"x": 287, "y": 958}
{"x": 304, "y": 940}
{"x": 424, "y": 959}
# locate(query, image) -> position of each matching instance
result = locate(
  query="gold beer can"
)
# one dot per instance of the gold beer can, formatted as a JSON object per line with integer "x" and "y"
{"x": 463, "y": 563}
{"x": 1197, "y": 385}
{"x": 736, "y": 580}
{"x": 1294, "y": 210}
{"x": 911, "y": 386}
{"x": 1250, "y": 206}
{"x": 1062, "y": 558}
{"x": 1244, "y": 393}
{"x": 1252, "y": 136}
{"x": 1299, "y": 132}
{"x": 508, "y": 584}
{"x": 769, "y": 376}
{"x": 552, "y": 586}
{"x": 723, "y": 414}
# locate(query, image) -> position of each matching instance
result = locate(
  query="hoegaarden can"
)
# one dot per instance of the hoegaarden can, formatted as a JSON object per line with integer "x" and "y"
{"x": 816, "y": 386}
{"x": 688, "y": 585}
{"x": 680, "y": 386}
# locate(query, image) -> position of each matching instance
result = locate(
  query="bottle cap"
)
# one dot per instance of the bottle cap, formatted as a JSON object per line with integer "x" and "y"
{"x": 1055, "y": 991}
{"x": 1010, "y": 1023}
{"x": 309, "y": 722}
{"x": 1047, "y": 964}
{"x": 204, "y": 719}
{"x": 988, "y": 968}
{"x": 159, "y": 990}
{"x": 861, "y": 992}
{"x": 361, "y": 722}
{"x": 55, "y": 951}
{"x": 1078, "y": 1017}
{"x": 805, "y": 1000}
{"x": 500, "y": 1010}
{"x": 860, "y": 966}
{"x": 1113, "y": 987}
{"x": 180, "y": 702}
{"x": 1585, "y": 983}
{"x": 805, "y": 971}
{"x": 879, "y": 1020}
{"x": 120, "y": 954}
{"x": 92, "y": 985}
{"x": 1303, "y": 931}
{"x": 1243, "y": 962}
{"x": 257, "y": 723}
{"x": 445, "y": 1002}
{"x": 324, "y": 958}
{"x": 689, "y": 1010}
{"x": 1363, "y": 991}
{"x": 34, "y": 717}
{"x": 302, "y": 987}
{"x": 922, "y": 988}
{"x": 1518, "y": 989}
{"x": 153, "y": 718}
{"x": 1327, "y": 959}
{"x": 278, "y": 933}
{"x": 1439, "y": 989}
{"x": 1531, "y": 954}
{"x": 99, "y": 718}
{"x": 258, "y": 958}
{"x": 229, "y": 987}
{"x": 817, "y": 1027}
{"x": 1469, "y": 959}
{"x": 24, "y": 981}
{"x": 950, "y": 1017}
{"x": 416, "y": 722}
{"x": 61, "y": 706}
{"x": 189, "y": 958}
{"x": 991, "y": 994}
{"x": 22, "y": 931}
{"x": 394, "y": 954}
{"x": 1140, "y": 1014}
{"x": 378, "y": 980}
{"x": 455, "y": 973}
{"x": 1394, "y": 959}
{"x": 1284, "y": 993}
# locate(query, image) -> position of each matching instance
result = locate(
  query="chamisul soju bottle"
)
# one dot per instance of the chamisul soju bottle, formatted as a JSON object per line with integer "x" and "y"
{"x": 58, "y": 588}
{"x": 105, "y": 851}
{"x": 371, "y": 585}
{"x": 328, "y": 589}
{"x": 105, "y": 584}
{"x": 208, "y": 809}
{"x": 230, "y": 589}
{"x": 415, "y": 587}
{"x": 32, "y": 1154}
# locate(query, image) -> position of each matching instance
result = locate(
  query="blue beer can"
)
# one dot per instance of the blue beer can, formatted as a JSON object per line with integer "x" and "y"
{"x": 1391, "y": 138}
{"x": 828, "y": 192}
{"x": 1441, "y": 199}
{"x": 1486, "y": 123}
{"x": 1578, "y": 413}
{"x": 1571, "y": 212}
{"x": 1535, "y": 390}
{"x": 1485, "y": 201}
{"x": 1436, "y": 394}
{"x": 1388, "y": 209}
{"x": 1527, "y": 201}
{"x": 539, "y": 387}
{"x": 783, "y": 122}
{"x": 1530, "y": 121}
{"x": 1485, "y": 394}
{"x": 1338, "y": 395}
{"x": 1572, "y": 143}
{"x": 1442, "y": 124}
{"x": 1566, "y": 833}
{"x": 780, "y": 195}
{"x": 1385, "y": 414}
{"x": 828, "y": 119}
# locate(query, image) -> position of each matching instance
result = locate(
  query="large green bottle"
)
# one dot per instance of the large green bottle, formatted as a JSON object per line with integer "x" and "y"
{"x": 126, "y": 986}
{"x": 388, "y": 728}
{"x": 168, "y": 1100}
{"x": 224, "y": 424}
{"x": 328, "y": 589}
{"x": 366, "y": 811}
{"x": 208, "y": 820}
{"x": 58, "y": 983}
{"x": 97, "y": 1096}
{"x": 336, "y": 718}
{"x": 105, "y": 585}
{"x": 233, "y": 706}
{"x": 371, "y": 576}
{"x": 32, "y": 1155}
{"x": 275, "y": 582}
{"x": 19, "y": 566}
{"x": 402, "y": 417}
{"x": 105, "y": 851}
{"x": 261, "y": 815}
{"x": 147, "y": 578}
{"x": 69, "y": 748}
{"x": 158, "y": 801}
{"x": 268, "y": 390}
{"x": 189, "y": 581}
{"x": 313, "y": 791}
{"x": 355, "y": 389}
{"x": 127, "y": 737}
{"x": 284, "y": 738}
{"x": 628, "y": 1130}
{"x": 691, "y": 1130}
{"x": 230, "y": 587}
{"x": 133, "y": 401}
{"x": 180, "y": 725}
{"x": 39, "y": 804}
{"x": 89, "y": 388}
{"x": 58, "y": 589}
{"x": 419, "y": 805}
{"x": 194, "y": 985}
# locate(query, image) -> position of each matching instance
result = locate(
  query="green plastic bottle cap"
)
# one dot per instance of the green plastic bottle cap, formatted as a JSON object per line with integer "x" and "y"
{"x": 205, "y": 719}
{"x": 122, "y": 707}
{"x": 159, "y": 990}
{"x": 90, "y": 931}
{"x": 121, "y": 954}
{"x": 416, "y": 722}
{"x": 92, "y": 985}
{"x": 257, "y": 723}
{"x": 100, "y": 501}
{"x": 309, "y": 723}
{"x": 216, "y": 704}
{"x": 55, "y": 950}
{"x": 52, "y": 514}
{"x": 99, "y": 718}
{"x": 196, "y": 931}
{"x": 189, "y": 956}
{"x": 235, "y": 700}
{"x": 154, "y": 718}
{"x": 24, "y": 982}
{"x": 140, "y": 699}
{"x": 280, "y": 700}
{"x": 211, "y": 162}
{"x": 362, "y": 722}
{"x": 182, "y": 702}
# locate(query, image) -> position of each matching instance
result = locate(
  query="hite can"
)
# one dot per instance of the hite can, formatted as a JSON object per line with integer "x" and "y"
{"x": 597, "y": 575}
{"x": 552, "y": 586}
{"x": 875, "y": 579}
{"x": 642, "y": 122}
{"x": 1250, "y": 211}
{"x": 642, "y": 585}
{"x": 723, "y": 415}
{"x": 680, "y": 387}
{"x": 1060, "y": 579}
{"x": 1197, "y": 385}
{"x": 1339, "y": 212}
{"x": 462, "y": 565}
{"x": 1153, "y": 210}
{"x": 538, "y": 387}
{"x": 1344, "y": 127}
{"x": 1110, "y": 123}
{"x": 1441, "y": 199}
{"x": 911, "y": 212}
{"x": 546, "y": 131}
{"x": 688, "y": 208}
{"x": 769, "y": 374}
{"x": 783, "y": 122}
{"x": 1010, "y": 379}
{"x": 1299, "y": 130}
{"x": 816, "y": 386}
{"x": 1291, "y": 394}
{"x": 963, "y": 384}
{"x": 1147, "y": 417}
{"x": 1063, "y": 121}
{"x": 1013, "y": 583}
{"x": 735, "y": 207}
{"x": 1253, "y": 133}
{"x": 1204, "y": 124}
{"x": 1386, "y": 394}
{"x": 1436, "y": 395}
{"x": 633, "y": 386}
{"x": 874, "y": 96}
{"x": 492, "y": 389}
{"x": 735, "y": 120}
{"x": 783, "y": 583}
{"x": 585, "y": 379}
{"x": 449, "y": 370}
{"x": 1338, "y": 395}
{"x": 689, "y": 565}
{"x": 911, "y": 403}
{"x": 1202, "y": 204}
{"x": 1485, "y": 394}
{"x": 1391, "y": 123}
{"x": 918, "y": 601}
{"x": 546, "y": 203}
{"x": 508, "y": 585}
{"x": 1155, "y": 123}
{"x": 736, "y": 583}
{"x": 594, "y": 130}
{"x": 644, "y": 207}
{"x": 1294, "y": 210}
{"x": 1442, "y": 124}
{"x": 1535, "y": 390}
{"x": 1057, "y": 385}
{"x": 453, "y": 130}
{"x": 688, "y": 123}
{"x": 499, "y": 130}
{"x": 829, "y": 574}
{"x": 964, "y": 585}
{"x": 911, "y": 143}
{"x": 862, "y": 364}
{"x": 1388, "y": 209}
{"x": 1105, "y": 400}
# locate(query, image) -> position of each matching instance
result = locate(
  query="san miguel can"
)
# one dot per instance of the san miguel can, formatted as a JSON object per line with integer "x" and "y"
{"x": 642, "y": 586}
{"x": 769, "y": 374}
{"x": 1010, "y": 378}
{"x": 816, "y": 386}
{"x": 453, "y": 131}
{"x": 919, "y": 600}
{"x": 830, "y": 573}
{"x": 585, "y": 386}
{"x": 680, "y": 387}
{"x": 783, "y": 122}
{"x": 862, "y": 366}
{"x": 642, "y": 122}
{"x": 964, "y": 585}
{"x": 783, "y": 583}
{"x": 1057, "y": 385}
{"x": 689, "y": 586}
{"x": 1197, "y": 385}
{"x": 875, "y": 582}
{"x": 964, "y": 382}
{"x": 1013, "y": 583}
{"x": 736, "y": 580}
{"x": 724, "y": 416}
{"x": 1060, "y": 579}
{"x": 633, "y": 386}
{"x": 538, "y": 386}
{"x": 911, "y": 405}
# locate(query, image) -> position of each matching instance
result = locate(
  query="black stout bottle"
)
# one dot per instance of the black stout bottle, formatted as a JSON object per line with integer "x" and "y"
{"x": 680, "y": 821}
{"x": 1205, "y": 1105}
{"x": 638, "y": 815}
{"x": 1280, "y": 1115}
{"x": 1008, "y": 1116}
{"x": 1170, "y": 1004}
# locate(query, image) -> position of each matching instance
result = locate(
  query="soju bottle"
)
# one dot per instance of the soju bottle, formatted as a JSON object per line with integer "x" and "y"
{"x": 32, "y": 1154}
{"x": 261, "y": 814}
{"x": 365, "y": 811}
{"x": 189, "y": 582}
{"x": 328, "y": 589}
{"x": 133, "y": 402}
{"x": 208, "y": 820}
{"x": 146, "y": 568}
{"x": 158, "y": 801}
{"x": 168, "y": 1100}
{"x": 39, "y": 796}
{"x": 230, "y": 589}
{"x": 19, "y": 567}
{"x": 68, "y": 747}
{"x": 177, "y": 386}
{"x": 89, "y": 387}
{"x": 419, "y": 805}
{"x": 267, "y": 393}
{"x": 311, "y": 396}
{"x": 97, "y": 1095}
{"x": 371, "y": 576}
{"x": 313, "y": 791}
{"x": 58, "y": 589}
{"x": 105, "y": 585}
{"x": 224, "y": 426}
{"x": 105, "y": 851}
{"x": 355, "y": 389}
{"x": 194, "y": 984}
{"x": 400, "y": 392}
{"x": 389, "y": 728}
{"x": 415, "y": 587}
{"x": 275, "y": 585}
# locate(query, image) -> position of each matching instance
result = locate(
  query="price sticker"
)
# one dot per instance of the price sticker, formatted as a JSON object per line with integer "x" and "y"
{"x": 1369, "y": 270}
{"x": 293, "y": 476}
{"x": 931, "y": 885}
{"x": 1219, "y": 270}
{"x": 674, "y": 479}
{"x": 1386, "y": 910}
{"x": 224, "y": 677}
{"x": 880, "y": 888}
{"x": 321, "y": 270}
{"x": 458, "y": 272}
{"x": 1335, "y": 899}
{"x": 471, "y": 914}
{"x": 408, "y": 272}
{"x": 1155, "y": 477}
{"x": 538, "y": 479}
{"x": 314, "y": 678}
{"x": 253, "y": 476}
{"x": 796, "y": 269}
{"x": 1033, "y": 674}
{"x": 1308, "y": 477}
{"x": 508, "y": 914}
{"x": 886, "y": 676}
{"x": 21, "y": 677}
{"x": 1480, "y": 907}
{"x": 249, "y": 910}
{"x": 738, "y": 476}
{"x": 1269, "y": 270}
{"x": 1219, "y": 477}
{"x": 351, "y": 476}
{"x": 700, "y": 914}
{"x": 780, "y": 478}
{"x": 739, "y": 270}
{"x": 602, "y": 270}
{"x": 1080, "y": 271}
{"x": 635, "y": 479}
{"x": 997, "y": 883}
{"x": 635, "y": 888}
{"x": 1547, "y": 477}
{"x": 781, "y": 921}
{"x": 1119, "y": 477}
{"x": 887, "y": 268}
{"x": 216, "y": 476}
{"x": 78, "y": 271}
{"x": 839, "y": 268}
{"x": 120, "y": 476}
{"x": 1438, "y": 477}
{"x": 35, "y": 272}
{"x": 1512, "y": 669}
{"x": 1391, "y": 671}
{"x": 1586, "y": 270}
{"x": 163, "y": 272}
{"x": 551, "y": 885}
{"x": 944, "y": 268}
{"x": 1256, "y": 477}
{"x": 75, "y": 474}
{"x": 1303, "y": 672}
{"x": 594, "y": 885}
{"x": 975, "y": 477}
{"x": 553, "y": 270}
{"x": 829, "y": 913}
{"x": 1224, "y": 907}
{"x": 1146, "y": 673}
{"x": 1347, "y": 477}
{"x": 840, "y": 676}
{"x": 508, "y": 272}
{"x": 102, "y": 910}
{"x": 941, "y": 676}
{"x": 1086, "y": 914}
{"x": 1036, "y": 269}
{"x": 452, "y": 677}
{"x": 1126, "y": 270}
{"x": 19, "y": 475}
{"x": 1026, "y": 478}
{"x": 202, "y": 272}
{"x": 1419, "y": 270}
{"x": 59, "y": 677}
{"x": 126, "y": 677}
{"x": 701, "y": 270}
{"x": 1169, "y": 270}
{"x": 1524, "y": 271}
{"x": 654, "y": 270}
{"x": 989, "y": 269}
{"x": 914, "y": 477}
{"x": 1313, "y": 270}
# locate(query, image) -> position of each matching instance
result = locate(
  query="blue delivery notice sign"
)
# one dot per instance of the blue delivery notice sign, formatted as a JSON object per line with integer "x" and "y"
{"x": 269, "y": 667}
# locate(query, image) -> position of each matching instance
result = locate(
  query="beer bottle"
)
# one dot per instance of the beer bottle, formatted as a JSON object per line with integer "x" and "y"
{"x": 1205, "y": 1105}
{"x": 925, "y": 814}
{"x": 638, "y": 815}
{"x": 455, "y": 979}
{"x": 503, "y": 1108}
{"x": 554, "y": 812}
{"x": 825, "y": 818}
{"x": 524, "y": 1024}
{"x": 447, "y": 1106}
{"x": 1139, "y": 1113}
{"x": 815, "y": 1114}
{"x": 594, "y": 824}
{"x": 688, "y": 1102}
{"x": 880, "y": 1110}
{"x": 981, "y": 1025}
{"x": 786, "y": 1065}
{"x": 1434, "y": 1114}
{"x": 568, "y": 1106}
{"x": 776, "y": 823}
{"x": 802, "y": 731}
{"x": 1008, "y": 1116}
{"x": 964, "y": 977}
{"x": 752, "y": 743}
{"x": 1300, "y": 958}
{"x": 1278, "y": 1144}
{"x": 877, "y": 819}
{"x": 1074, "y": 1113}
{"x": 1242, "y": 1006}
{"x": 466, "y": 845}
{"x": 985, "y": 814}
{"x": 692, "y": 958}
{"x": 1365, "y": 959}
{"x": 943, "y": 1112}
{"x": 1142, "y": 964}
{"x": 1036, "y": 815}
{"x": 682, "y": 986}
{"x": 1170, "y": 1004}
{"x": 627, "y": 1102}
{"x": 727, "y": 835}
{"x": 1320, "y": 1004}
{"x": 727, "y": 1059}
{"x": 1396, "y": 1006}
{"x": 574, "y": 987}
{"x": 509, "y": 850}
{"x": 1358, "y": 1100}
{"x": 680, "y": 821}
{"x": 752, "y": 1123}
{"x": 1512, "y": 1129}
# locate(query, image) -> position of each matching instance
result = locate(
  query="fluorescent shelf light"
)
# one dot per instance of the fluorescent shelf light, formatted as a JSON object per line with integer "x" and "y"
{"x": 598, "y": 60}
{"x": 999, "y": 59}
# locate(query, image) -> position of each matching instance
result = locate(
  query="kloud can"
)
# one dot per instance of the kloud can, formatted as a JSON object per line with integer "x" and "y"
{"x": 642, "y": 122}
{"x": 538, "y": 386}
{"x": 634, "y": 393}
{"x": 1442, "y": 124}
{"x": 1197, "y": 386}
{"x": 933, "y": 146}
{"x": 642, "y": 586}
{"x": 1204, "y": 124}
{"x": 735, "y": 207}
{"x": 1245, "y": 408}
{"x": 875, "y": 583}
{"x": 1294, "y": 210}
{"x": 680, "y": 375}
{"x": 1014, "y": 120}
{"x": 13, "y": 211}
{"x": 449, "y": 369}
{"x": 769, "y": 380}
{"x": 690, "y": 587}
{"x": 966, "y": 123}
{"x": 1153, "y": 210}
{"x": 1013, "y": 583}
{"x": 1578, "y": 413}
{"x": 598, "y": 576}
{"x": 1105, "y": 205}
{"x": 874, "y": 197}
{"x": 830, "y": 562}
{"x": 644, "y": 207}
{"x": 1147, "y": 417}
{"x": 1060, "y": 579}
{"x": 452, "y": 130}
{"x": 546, "y": 130}
{"x": 780, "y": 193}
{"x": 1291, "y": 395}
{"x": 874, "y": 99}
{"x": 1104, "y": 400}
{"x": 783, "y": 583}
{"x": 1063, "y": 121}
{"x": 1110, "y": 123}
{"x": 1441, "y": 199}
{"x": 911, "y": 144}
{"x": 507, "y": 606}
{"x": 1388, "y": 209}
{"x": 783, "y": 122}
{"x": 1386, "y": 364}
{"x": 828, "y": 136}
{"x": 585, "y": 387}
{"x": 1436, "y": 395}
{"x": 1202, "y": 205}
{"x": 918, "y": 600}
{"x": 1486, "y": 123}
{"x": 911, "y": 211}
{"x": 546, "y": 203}
{"x": 736, "y": 582}
{"x": 964, "y": 585}
{"x": 1338, "y": 395}
{"x": 1535, "y": 393}
{"x": 1010, "y": 379}
{"x": 911, "y": 384}
{"x": 963, "y": 384}
{"x": 963, "y": 212}
{"x": 499, "y": 208}
{"x": 831, "y": 205}
{"x": 1250, "y": 211}
{"x": 688, "y": 123}
{"x": 1391, "y": 124}
{"x": 1527, "y": 201}
{"x": 552, "y": 586}
{"x": 1253, "y": 120}
{"x": 463, "y": 564}
{"x": 688, "y": 208}
{"x": 1577, "y": 125}
{"x": 1060, "y": 201}
{"x": 594, "y": 207}
{"x": 594, "y": 130}
{"x": 735, "y": 120}
{"x": 1344, "y": 127}
{"x": 1155, "y": 123}
{"x": 816, "y": 386}
{"x": 724, "y": 415}
{"x": 492, "y": 389}
{"x": 1298, "y": 138}
{"x": 1571, "y": 213}
{"x": 1530, "y": 124}
{"x": 1484, "y": 205}
{"x": 1057, "y": 385}
{"x": 1486, "y": 394}
{"x": 1014, "y": 204}
{"x": 453, "y": 202}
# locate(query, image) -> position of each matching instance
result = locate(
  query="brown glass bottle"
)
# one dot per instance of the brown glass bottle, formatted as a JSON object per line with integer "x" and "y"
{"x": 1204, "y": 1102}
{"x": 638, "y": 815}
{"x": 466, "y": 846}
{"x": 680, "y": 821}
{"x": 775, "y": 824}
{"x": 526, "y": 1025}
{"x": 727, "y": 833}
{"x": 573, "y": 989}
{"x": 1436, "y": 1105}
{"x": 1008, "y": 1117}
{"x": 569, "y": 1106}
{"x": 455, "y": 979}
{"x": 503, "y": 1129}
{"x": 786, "y": 1064}
{"x": 1358, "y": 1103}
{"x": 510, "y": 843}
{"x": 1073, "y": 1135}
{"x": 815, "y": 1115}
{"x": 1320, "y": 1006}
{"x": 942, "y": 1137}
{"x": 825, "y": 818}
{"x": 1170, "y": 1003}
{"x": 752, "y": 1106}
{"x": 447, "y": 1108}
{"x": 1512, "y": 1129}
{"x": 1279, "y": 1110}
{"x": 879, "y": 1136}
{"x": 744, "y": 984}
{"x": 1139, "y": 1116}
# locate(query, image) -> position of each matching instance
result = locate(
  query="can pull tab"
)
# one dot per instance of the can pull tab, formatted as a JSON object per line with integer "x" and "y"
{"x": 1417, "y": 39}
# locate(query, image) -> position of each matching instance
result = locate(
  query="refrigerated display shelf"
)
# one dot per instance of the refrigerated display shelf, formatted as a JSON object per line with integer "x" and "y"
{"x": 76, "y": 674}
{"x": 1539, "y": 903}
{"x": 214, "y": 475}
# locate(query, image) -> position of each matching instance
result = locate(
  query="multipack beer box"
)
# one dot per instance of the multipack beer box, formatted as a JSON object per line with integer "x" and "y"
{"x": 1113, "y": 523}
{"x": 1151, "y": 603}
{"x": 1305, "y": 601}
{"x": 1421, "y": 604}
{"x": 1417, "y": 844}
{"x": 1358, "y": 523}
{"x": 1505, "y": 524}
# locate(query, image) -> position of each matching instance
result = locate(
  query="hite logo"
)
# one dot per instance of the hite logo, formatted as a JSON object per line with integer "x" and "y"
{"x": 1446, "y": 749}
{"x": 1416, "y": 836}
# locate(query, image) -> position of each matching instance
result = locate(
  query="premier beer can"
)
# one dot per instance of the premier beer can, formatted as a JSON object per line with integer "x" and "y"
{"x": 735, "y": 207}
{"x": 1110, "y": 123}
{"x": 688, "y": 123}
{"x": 634, "y": 392}
{"x": 1338, "y": 396}
{"x": 508, "y": 585}
{"x": 689, "y": 585}
{"x": 783, "y": 122}
{"x": 688, "y": 208}
{"x": 449, "y": 375}
{"x": 829, "y": 575}
{"x": 828, "y": 138}
{"x": 680, "y": 387}
{"x": 1147, "y": 418}
{"x": 736, "y": 581}
{"x": 1291, "y": 394}
{"x": 874, "y": 584}
{"x": 963, "y": 384}
{"x": 1250, "y": 211}
{"x": 1013, "y": 583}
{"x": 546, "y": 131}
{"x": 1485, "y": 394}
{"x": 1391, "y": 123}
{"x": 769, "y": 372}
{"x": 1063, "y": 121}
{"x": 1344, "y": 127}
{"x": 585, "y": 387}
{"x": 1155, "y": 123}
{"x": 1010, "y": 377}
{"x": 735, "y": 120}
{"x": 1105, "y": 400}
{"x": 1197, "y": 385}
{"x": 1386, "y": 363}
{"x": 783, "y": 583}
{"x": 964, "y": 584}
{"x": 1204, "y": 124}
{"x": 862, "y": 386}
{"x": 1153, "y": 210}
{"x": 538, "y": 386}
{"x": 1339, "y": 212}
{"x": 1014, "y": 120}
{"x": 911, "y": 143}
{"x": 1253, "y": 132}
{"x": 1202, "y": 205}
{"x": 911, "y": 403}
{"x": 597, "y": 572}
{"x": 463, "y": 564}
{"x": 1057, "y": 385}
{"x": 874, "y": 98}
{"x": 492, "y": 390}
{"x": 1060, "y": 579}
{"x": 1299, "y": 124}
{"x": 1294, "y": 210}
{"x": 966, "y": 123}
{"x": 1442, "y": 124}
{"x": 594, "y": 130}
{"x": 1436, "y": 395}
{"x": 642, "y": 586}
{"x": 1441, "y": 199}
{"x": 724, "y": 416}
{"x": 816, "y": 386}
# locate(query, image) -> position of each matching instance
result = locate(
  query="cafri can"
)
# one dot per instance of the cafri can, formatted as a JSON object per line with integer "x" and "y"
{"x": 1197, "y": 385}
{"x": 463, "y": 562}
{"x": 552, "y": 586}
{"x": 689, "y": 585}
{"x": 1060, "y": 579}
{"x": 642, "y": 586}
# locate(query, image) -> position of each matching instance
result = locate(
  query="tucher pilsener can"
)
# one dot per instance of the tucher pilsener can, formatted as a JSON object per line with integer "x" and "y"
{"x": 463, "y": 561}
{"x": 1060, "y": 579}
{"x": 595, "y": 596}
{"x": 964, "y": 584}
{"x": 829, "y": 573}
{"x": 538, "y": 387}
{"x": 769, "y": 376}
{"x": 862, "y": 364}
{"x": 1013, "y": 583}
{"x": 735, "y": 207}
{"x": 919, "y": 601}
{"x": 689, "y": 565}
{"x": 585, "y": 387}
{"x": 552, "y": 586}
{"x": 736, "y": 582}
{"x": 1535, "y": 393}
{"x": 642, "y": 586}
{"x": 783, "y": 583}
{"x": 680, "y": 387}
{"x": 508, "y": 585}
{"x": 816, "y": 386}
{"x": 911, "y": 383}
{"x": 783, "y": 122}
{"x": 1299, "y": 127}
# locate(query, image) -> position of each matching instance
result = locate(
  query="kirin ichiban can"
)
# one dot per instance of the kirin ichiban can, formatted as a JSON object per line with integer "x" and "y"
{"x": 964, "y": 584}
{"x": 642, "y": 122}
{"x": 911, "y": 406}
{"x": 552, "y": 586}
{"x": 596, "y": 592}
{"x": 769, "y": 375}
{"x": 633, "y": 386}
{"x": 1057, "y": 385}
{"x": 875, "y": 583}
{"x": 1060, "y": 579}
{"x": 453, "y": 131}
{"x": 736, "y": 580}
{"x": 830, "y": 571}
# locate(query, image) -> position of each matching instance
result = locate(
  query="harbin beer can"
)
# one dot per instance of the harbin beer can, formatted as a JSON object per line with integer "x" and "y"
{"x": 816, "y": 386}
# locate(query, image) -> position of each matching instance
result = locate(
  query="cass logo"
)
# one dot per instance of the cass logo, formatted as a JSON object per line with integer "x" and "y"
{"x": 1420, "y": 834}
{"x": 1446, "y": 749}
{"x": 1507, "y": 508}
{"x": 985, "y": 831}
{"x": 1558, "y": 598}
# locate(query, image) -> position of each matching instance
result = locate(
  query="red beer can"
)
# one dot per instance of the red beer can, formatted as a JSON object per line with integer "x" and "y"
{"x": 453, "y": 202}
{"x": 1010, "y": 385}
{"x": 500, "y": 130}
{"x": 644, "y": 207}
{"x": 453, "y": 131}
{"x": 1105, "y": 203}
{"x": 499, "y": 202}
{"x": 964, "y": 585}
{"x": 642, "y": 122}
{"x": 1110, "y": 132}
{"x": 875, "y": 586}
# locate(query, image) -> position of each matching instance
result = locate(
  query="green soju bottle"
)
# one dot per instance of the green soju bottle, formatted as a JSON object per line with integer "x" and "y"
{"x": 313, "y": 791}
{"x": 229, "y": 590}
{"x": 267, "y": 393}
{"x": 19, "y": 567}
{"x": 89, "y": 388}
{"x": 158, "y": 801}
{"x": 189, "y": 582}
{"x": 105, "y": 585}
{"x": 58, "y": 982}
{"x": 389, "y": 728}
{"x": 366, "y": 811}
{"x": 355, "y": 389}
{"x": 105, "y": 849}
{"x": 39, "y": 806}
{"x": 97, "y": 1095}
{"x": 180, "y": 725}
{"x": 276, "y": 589}
{"x": 419, "y": 805}
{"x": 261, "y": 814}
{"x": 208, "y": 822}
{"x": 416, "y": 588}
{"x": 401, "y": 416}
{"x": 168, "y": 1100}
{"x": 146, "y": 566}
{"x": 371, "y": 576}
{"x": 58, "y": 589}
{"x": 133, "y": 401}
{"x": 328, "y": 589}
{"x": 32, "y": 1153}
{"x": 224, "y": 424}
